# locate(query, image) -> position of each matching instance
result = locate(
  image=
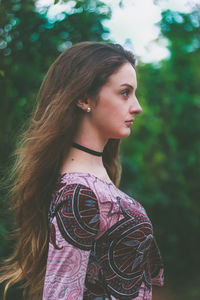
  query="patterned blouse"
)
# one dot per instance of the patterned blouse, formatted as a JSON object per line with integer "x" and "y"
{"x": 101, "y": 243}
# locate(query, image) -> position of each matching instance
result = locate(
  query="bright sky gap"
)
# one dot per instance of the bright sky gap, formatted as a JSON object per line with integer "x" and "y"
{"x": 134, "y": 24}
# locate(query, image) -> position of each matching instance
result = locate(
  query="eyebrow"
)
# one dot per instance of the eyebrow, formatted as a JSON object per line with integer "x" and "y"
{"x": 127, "y": 84}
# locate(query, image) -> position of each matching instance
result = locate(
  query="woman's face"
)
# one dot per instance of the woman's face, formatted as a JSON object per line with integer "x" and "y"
{"x": 117, "y": 104}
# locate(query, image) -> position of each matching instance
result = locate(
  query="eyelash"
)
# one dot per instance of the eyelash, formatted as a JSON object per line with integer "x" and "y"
{"x": 126, "y": 91}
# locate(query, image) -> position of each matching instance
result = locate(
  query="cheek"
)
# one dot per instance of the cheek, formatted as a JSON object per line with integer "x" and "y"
{"x": 109, "y": 115}
{"x": 112, "y": 123}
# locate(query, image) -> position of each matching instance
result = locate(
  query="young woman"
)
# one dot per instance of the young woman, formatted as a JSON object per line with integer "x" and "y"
{"x": 79, "y": 236}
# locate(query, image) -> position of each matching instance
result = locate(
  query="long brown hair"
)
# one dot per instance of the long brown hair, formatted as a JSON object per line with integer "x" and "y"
{"x": 80, "y": 70}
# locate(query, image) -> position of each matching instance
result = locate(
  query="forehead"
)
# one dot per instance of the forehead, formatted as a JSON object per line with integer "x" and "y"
{"x": 125, "y": 74}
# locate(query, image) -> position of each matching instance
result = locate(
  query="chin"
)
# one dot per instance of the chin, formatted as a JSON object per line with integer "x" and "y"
{"x": 121, "y": 135}
{"x": 126, "y": 133}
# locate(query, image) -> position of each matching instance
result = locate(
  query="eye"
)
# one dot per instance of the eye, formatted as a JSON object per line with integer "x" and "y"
{"x": 125, "y": 93}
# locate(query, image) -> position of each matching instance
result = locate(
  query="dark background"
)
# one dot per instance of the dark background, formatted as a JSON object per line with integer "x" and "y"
{"x": 161, "y": 157}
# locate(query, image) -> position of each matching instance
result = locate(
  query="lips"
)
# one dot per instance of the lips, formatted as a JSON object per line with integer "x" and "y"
{"x": 129, "y": 123}
{"x": 130, "y": 120}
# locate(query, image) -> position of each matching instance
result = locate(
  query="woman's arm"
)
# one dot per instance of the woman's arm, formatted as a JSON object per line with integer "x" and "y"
{"x": 72, "y": 234}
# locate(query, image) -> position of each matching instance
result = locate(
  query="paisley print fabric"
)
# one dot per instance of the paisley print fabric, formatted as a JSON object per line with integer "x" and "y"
{"x": 101, "y": 243}
{"x": 78, "y": 216}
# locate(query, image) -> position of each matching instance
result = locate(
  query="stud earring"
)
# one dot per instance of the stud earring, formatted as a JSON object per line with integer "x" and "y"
{"x": 88, "y": 109}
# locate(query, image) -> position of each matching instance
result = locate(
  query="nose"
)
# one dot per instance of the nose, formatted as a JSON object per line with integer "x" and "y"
{"x": 135, "y": 107}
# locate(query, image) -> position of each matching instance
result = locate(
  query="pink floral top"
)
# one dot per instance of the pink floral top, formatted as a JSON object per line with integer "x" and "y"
{"x": 101, "y": 243}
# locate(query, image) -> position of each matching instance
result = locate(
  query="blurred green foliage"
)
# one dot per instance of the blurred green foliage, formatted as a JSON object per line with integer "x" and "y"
{"x": 161, "y": 157}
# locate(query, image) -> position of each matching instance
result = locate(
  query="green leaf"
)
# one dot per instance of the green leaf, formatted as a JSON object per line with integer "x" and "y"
{"x": 2, "y": 73}
{"x": 56, "y": 1}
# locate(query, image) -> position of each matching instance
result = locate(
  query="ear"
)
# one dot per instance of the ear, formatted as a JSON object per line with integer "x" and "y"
{"x": 80, "y": 104}
{"x": 83, "y": 103}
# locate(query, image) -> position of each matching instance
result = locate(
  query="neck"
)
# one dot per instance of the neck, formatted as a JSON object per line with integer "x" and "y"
{"x": 78, "y": 160}
{"x": 91, "y": 138}
{"x": 97, "y": 147}
{"x": 88, "y": 158}
{"x": 81, "y": 160}
{"x": 86, "y": 149}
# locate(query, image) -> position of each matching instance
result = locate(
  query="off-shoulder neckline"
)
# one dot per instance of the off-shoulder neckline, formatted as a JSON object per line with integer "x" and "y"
{"x": 85, "y": 173}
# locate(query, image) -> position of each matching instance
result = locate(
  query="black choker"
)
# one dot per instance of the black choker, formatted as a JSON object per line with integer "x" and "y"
{"x": 87, "y": 149}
